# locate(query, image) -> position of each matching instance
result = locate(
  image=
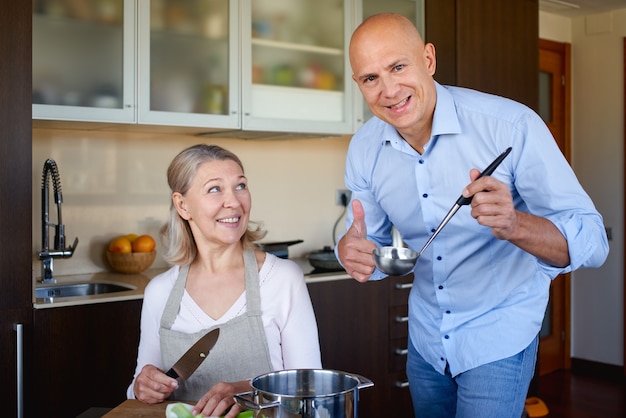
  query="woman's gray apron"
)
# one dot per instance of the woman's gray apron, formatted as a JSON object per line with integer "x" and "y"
{"x": 241, "y": 352}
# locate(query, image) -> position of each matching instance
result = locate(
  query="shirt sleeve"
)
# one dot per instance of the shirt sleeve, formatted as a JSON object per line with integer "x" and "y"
{"x": 549, "y": 188}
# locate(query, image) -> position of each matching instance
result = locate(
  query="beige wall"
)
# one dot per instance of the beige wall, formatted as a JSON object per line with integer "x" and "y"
{"x": 114, "y": 183}
{"x": 598, "y": 160}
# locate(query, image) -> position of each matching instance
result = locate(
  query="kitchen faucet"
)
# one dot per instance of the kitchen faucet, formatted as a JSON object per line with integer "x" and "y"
{"x": 51, "y": 171}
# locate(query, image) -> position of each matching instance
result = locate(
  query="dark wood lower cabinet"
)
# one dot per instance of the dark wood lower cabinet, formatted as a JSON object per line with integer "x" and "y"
{"x": 363, "y": 330}
{"x": 84, "y": 356}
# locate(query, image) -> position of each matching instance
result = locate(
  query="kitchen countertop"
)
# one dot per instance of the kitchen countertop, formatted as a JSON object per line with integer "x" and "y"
{"x": 132, "y": 408}
{"x": 139, "y": 282}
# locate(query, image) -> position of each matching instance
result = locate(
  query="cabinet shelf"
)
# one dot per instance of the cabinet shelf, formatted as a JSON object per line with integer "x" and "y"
{"x": 296, "y": 47}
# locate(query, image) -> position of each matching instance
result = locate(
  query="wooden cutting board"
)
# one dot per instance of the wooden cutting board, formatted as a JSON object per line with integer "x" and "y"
{"x": 132, "y": 408}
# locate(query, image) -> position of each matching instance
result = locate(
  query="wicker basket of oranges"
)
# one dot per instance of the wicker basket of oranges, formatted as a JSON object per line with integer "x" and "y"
{"x": 131, "y": 254}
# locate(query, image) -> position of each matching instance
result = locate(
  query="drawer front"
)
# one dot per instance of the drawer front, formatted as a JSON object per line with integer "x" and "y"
{"x": 398, "y": 349}
{"x": 399, "y": 288}
{"x": 400, "y": 396}
{"x": 398, "y": 321}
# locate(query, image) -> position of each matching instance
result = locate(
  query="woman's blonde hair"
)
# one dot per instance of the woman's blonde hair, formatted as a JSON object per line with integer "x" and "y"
{"x": 178, "y": 241}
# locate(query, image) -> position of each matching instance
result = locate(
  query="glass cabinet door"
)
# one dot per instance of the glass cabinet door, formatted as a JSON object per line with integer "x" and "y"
{"x": 188, "y": 63}
{"x": 294, "y": 65}
{"x": 83, "y": 60}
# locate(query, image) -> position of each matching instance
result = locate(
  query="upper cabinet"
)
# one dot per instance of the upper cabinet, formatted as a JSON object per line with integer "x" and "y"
{"x": 84, "y": 60}
{"x": 189, "y": 63}
{"x": 488, "y": 45}
{"x": 295, "y": 69}
{"x": 256, "y": 65}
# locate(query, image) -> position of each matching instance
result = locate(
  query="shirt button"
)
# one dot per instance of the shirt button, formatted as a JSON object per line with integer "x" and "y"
{"x": 439, "y": 257}
{"x": 447, "y": 337}
{"x": 442, "y": 359}
{"x": 447, "y": 312}
{"x": 433, "y": 230}
{"x": 421, "y": 161}
{"x": 440, "y": 287}
{"x": 425, "y": 195}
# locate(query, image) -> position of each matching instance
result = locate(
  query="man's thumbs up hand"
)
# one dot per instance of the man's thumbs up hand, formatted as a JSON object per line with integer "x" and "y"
{"x": 355, "y": 251}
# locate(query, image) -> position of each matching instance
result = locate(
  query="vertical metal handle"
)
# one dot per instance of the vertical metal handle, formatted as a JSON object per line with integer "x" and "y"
{"x": 19, "y": 329}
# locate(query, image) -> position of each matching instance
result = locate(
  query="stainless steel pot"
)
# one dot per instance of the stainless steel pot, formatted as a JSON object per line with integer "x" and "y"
{"x": 310, "y": 393}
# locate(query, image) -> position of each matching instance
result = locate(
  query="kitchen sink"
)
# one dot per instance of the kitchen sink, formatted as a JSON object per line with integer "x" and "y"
{"x": 80, "y": 289}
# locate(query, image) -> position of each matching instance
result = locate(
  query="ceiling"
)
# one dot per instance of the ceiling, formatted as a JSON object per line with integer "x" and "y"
{"x": 574, "y": 8}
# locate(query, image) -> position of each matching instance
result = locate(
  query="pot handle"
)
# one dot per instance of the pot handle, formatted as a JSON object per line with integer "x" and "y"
{"x": 246, "y": 400}
{"x": 364, "y": 382}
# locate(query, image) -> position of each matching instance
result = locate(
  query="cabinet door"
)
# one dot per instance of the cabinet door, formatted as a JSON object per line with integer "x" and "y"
{"x": 487, "y": 45}
{"x": 84, "y": 356}
{"x": 15, "y": 220}
{"x": 352, "y": 323}
{"x": 295, "y": 71}
{"x": 83, "y": 60}
{"x": 188, "y": 63}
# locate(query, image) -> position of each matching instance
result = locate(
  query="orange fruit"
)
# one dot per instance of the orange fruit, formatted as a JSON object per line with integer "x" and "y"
{"x": 131, "y": 237}
{"x": 120, "y": 245}
{"x": 143, "y": 244}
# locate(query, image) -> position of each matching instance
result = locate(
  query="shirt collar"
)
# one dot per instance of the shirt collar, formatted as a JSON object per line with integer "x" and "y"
{"x": 445, "y": 120}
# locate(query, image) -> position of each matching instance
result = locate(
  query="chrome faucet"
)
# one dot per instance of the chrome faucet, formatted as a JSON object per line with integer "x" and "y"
{"x": 51, "y": 171}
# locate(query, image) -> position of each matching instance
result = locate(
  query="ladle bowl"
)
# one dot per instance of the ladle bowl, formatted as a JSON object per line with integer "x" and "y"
{"x": 395, "y": 261}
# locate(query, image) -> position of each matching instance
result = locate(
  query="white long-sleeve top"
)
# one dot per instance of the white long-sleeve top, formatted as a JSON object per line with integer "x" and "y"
{"x": 288, "y": 317}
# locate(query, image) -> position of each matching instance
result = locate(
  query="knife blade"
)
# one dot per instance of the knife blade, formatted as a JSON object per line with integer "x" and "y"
{"x": 191, "y": 360}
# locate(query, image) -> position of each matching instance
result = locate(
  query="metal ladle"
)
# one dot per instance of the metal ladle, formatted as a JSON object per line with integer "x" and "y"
{"x": 397, "y": 260}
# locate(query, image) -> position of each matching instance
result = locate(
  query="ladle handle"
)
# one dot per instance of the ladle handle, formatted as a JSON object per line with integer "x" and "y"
{"x": 487, "y": 172}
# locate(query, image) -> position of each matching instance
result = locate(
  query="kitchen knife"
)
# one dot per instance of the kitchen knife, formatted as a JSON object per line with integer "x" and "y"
{"x": 191, "y": 360}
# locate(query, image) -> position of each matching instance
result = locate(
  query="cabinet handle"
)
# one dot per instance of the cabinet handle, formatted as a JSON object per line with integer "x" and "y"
{"x": 19, "y": 329}
{"x": 404, "y": 286}
{"x": 401, "y": 351}
{"x": 402, "y": 319}
{"x": 402, "y": 384}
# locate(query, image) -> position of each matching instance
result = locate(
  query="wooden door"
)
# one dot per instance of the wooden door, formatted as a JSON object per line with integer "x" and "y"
{"x": 554, "y": 346}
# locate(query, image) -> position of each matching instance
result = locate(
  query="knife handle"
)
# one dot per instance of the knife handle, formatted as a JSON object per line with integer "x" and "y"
{"x": 487, "y": 172}
{"x": 172, "y": 373}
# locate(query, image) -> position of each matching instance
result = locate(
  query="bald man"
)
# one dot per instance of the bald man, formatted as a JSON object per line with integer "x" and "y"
{"x": 481, "y": 289}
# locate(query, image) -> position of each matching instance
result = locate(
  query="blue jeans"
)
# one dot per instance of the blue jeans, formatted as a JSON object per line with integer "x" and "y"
{"x": 493, "y": 390}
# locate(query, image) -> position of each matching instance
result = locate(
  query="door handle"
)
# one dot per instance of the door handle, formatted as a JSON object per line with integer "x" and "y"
{"x": 19, "y": 339}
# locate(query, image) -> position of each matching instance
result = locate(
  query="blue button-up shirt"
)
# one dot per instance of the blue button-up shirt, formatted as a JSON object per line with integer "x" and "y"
{"x": 475, "y": 298}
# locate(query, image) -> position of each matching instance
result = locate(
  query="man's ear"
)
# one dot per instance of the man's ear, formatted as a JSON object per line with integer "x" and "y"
{"x": 430, "y": 58}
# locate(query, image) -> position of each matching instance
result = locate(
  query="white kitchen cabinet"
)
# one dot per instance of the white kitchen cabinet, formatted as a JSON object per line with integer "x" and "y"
{"x": 295, "y": 68}
{"x": 255, "y": 65}
{"x": 223, "y": 65}
{"x": 189, "y": 63}
{"x": 84, "y": 60}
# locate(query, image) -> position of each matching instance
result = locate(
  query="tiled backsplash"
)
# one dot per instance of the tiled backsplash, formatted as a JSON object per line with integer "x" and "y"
{"x": 114, "y": 183}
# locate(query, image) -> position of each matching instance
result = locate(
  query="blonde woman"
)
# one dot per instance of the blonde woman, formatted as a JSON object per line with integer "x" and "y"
{"x": 219, "y": 280}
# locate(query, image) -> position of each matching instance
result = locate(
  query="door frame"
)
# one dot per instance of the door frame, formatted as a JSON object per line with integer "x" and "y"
{"x": 563, "y": 49}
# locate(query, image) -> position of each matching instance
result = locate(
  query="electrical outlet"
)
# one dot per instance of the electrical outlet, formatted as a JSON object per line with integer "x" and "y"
{"x": 342, "y": 197}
